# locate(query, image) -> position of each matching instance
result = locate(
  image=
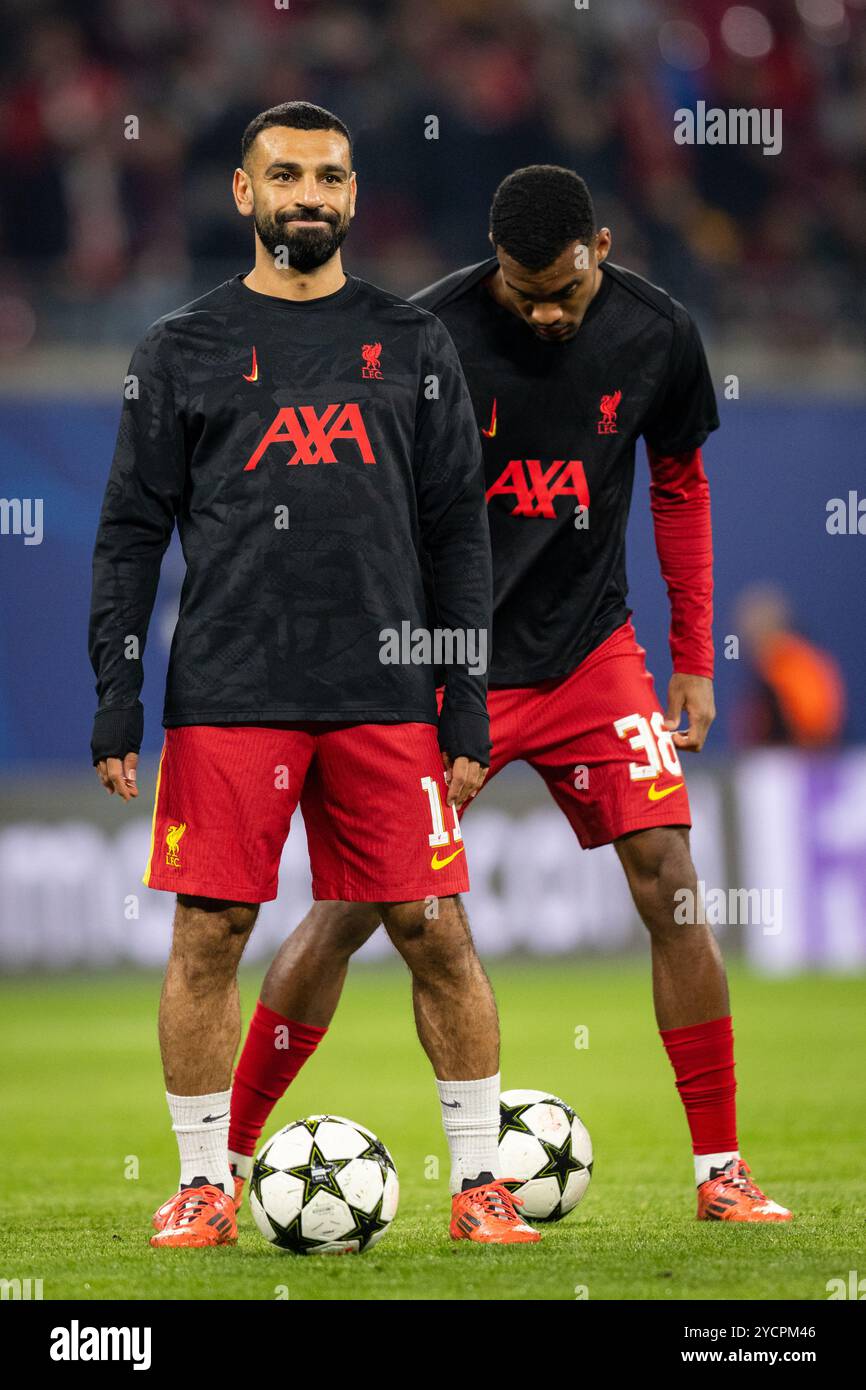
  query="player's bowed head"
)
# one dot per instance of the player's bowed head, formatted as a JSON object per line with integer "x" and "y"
{"x": 543, "y": 230}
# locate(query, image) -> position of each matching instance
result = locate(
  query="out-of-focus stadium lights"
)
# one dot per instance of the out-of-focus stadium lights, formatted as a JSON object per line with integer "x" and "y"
{"x": 746, "y": 32}
{"x": 825, "y": 20}
{"x": 684, "y": 45}
{"x": 822, "y": 14}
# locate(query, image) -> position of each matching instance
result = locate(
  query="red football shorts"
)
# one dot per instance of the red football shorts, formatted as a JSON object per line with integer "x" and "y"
{"x": 378, "y": 828}
{"x": 596, "y": 737}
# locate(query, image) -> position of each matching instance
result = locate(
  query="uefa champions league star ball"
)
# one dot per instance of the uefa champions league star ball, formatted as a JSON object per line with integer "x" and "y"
{"x": 324, "y": 1186}
{"x": 545, "y": 1152}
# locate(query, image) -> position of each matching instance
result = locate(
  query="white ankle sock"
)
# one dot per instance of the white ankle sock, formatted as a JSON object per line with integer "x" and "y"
{"x": 704, "y": 1162}
{"x": 470, "y": 1116}
{"x": 242, "y": 1164}
{"x": 201, "y": 1124}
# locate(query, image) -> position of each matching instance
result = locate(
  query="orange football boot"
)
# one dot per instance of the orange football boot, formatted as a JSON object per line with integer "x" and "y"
{"x": 239, "y": 1189}
{"x": 487, "y": 1214}
{"x": 730, "y": 1195}
{"x": 197, "y": 1216}
{"x": 161, "y": 1215}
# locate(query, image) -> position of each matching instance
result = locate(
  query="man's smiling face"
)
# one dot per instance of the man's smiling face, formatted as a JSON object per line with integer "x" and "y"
{"x": 300, "y": 192}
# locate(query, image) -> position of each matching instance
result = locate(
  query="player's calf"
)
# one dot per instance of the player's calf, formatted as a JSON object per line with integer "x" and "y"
{"x": 658, "y": 866}
{"x": 458, "y": 1027}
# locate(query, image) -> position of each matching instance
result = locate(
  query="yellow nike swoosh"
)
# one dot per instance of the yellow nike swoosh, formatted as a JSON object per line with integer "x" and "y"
{"x": 437, "y": 863}
{"x": 657, "y": 796}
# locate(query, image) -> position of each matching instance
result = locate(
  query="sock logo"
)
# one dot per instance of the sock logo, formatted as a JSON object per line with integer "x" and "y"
{"x": 453, "y": 1104}
{"x": 208, "y": 1119}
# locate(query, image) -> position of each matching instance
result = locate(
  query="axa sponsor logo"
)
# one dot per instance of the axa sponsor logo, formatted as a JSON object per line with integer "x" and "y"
{"x": 310, "y": 434}
{"x": 535, "y": 487}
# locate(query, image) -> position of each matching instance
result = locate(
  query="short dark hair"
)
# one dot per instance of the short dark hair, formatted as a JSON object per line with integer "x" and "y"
{"x": 537, "y": 211}
{"x": 300, "y": 115}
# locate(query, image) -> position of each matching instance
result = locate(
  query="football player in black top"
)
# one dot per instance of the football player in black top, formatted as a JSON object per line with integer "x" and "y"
{"x": 569, "y": 360}
{"x": 313, "y": 437}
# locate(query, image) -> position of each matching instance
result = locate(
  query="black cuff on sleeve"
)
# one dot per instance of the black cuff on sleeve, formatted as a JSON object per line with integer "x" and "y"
{"x": 465, "y": 734}
{"x": 117, "y": 732}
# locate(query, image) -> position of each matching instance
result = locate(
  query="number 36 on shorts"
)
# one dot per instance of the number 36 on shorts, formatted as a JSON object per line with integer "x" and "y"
{"x": 650, "y": 737}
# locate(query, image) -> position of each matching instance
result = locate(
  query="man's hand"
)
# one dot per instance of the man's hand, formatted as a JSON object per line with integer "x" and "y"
{"x": 117, "y": 776}
{"x": 694, "y": 694}
{"x": 464, "y": 779}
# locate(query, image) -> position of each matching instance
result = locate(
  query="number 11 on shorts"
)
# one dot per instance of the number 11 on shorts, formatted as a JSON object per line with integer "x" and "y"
{"x": 439, "y": 835}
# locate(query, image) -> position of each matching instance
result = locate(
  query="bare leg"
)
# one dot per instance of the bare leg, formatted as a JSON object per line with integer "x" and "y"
{"x": 199, "y": 1011}
{"x": 689, "y": 981}
{"x": 454, "y": 1007}
{"x": 455, "y": 1011}
{"x": 307, "y": 975}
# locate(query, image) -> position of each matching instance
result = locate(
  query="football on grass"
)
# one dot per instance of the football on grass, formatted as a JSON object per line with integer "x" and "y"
{"x": 545, "y": 1152}
{"x": 323, "y": 1186}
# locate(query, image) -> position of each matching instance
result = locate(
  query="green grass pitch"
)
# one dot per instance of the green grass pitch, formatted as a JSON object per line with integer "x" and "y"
{"x": 84, "y": 1113}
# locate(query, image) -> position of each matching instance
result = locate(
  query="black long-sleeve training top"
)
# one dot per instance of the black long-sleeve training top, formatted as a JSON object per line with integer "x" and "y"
{"x": 318, "y": 457}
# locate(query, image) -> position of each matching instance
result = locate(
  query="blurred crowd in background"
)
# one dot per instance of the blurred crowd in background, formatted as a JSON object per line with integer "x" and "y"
{"x": 772, "y": 248}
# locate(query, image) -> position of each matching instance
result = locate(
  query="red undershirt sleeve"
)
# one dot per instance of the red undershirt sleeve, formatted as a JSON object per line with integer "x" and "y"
{"x": 680, "y": 504}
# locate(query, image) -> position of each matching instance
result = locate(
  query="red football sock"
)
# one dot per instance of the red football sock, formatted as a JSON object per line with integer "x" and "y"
{"x": 702, "y": 1057}
{"x": 274, "y": 1052}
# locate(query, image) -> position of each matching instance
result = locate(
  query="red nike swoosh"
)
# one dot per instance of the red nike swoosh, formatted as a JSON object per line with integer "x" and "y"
{"x": 254, "y": 374}
{"x": 491, "y": 430}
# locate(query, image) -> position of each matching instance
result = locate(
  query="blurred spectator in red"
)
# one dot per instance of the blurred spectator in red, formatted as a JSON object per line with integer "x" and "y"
{"x": 57, "y": 122}
{"x": 797, "y": 691}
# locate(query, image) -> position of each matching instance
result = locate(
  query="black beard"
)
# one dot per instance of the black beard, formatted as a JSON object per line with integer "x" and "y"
{"x": 306, "y": 250}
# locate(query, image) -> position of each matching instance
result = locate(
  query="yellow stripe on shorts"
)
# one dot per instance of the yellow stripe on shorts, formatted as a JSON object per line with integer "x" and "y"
{"x": 146, "y": 875}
